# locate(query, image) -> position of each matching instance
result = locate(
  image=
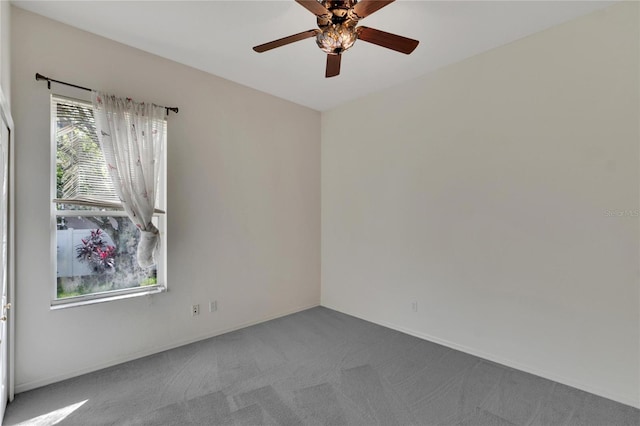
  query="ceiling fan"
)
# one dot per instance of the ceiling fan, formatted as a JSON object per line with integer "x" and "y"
{"x": 338, "y": 30}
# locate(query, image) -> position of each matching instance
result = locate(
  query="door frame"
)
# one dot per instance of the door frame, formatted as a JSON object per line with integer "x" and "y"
{"x": 5, "y": 113}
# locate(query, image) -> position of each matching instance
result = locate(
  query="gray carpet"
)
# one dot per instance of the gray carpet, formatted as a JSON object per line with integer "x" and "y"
{"x": 316, "y": 367}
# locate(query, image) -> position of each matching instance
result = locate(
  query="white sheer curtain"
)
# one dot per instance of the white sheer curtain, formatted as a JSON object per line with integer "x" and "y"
{"x": 132, "y": 137}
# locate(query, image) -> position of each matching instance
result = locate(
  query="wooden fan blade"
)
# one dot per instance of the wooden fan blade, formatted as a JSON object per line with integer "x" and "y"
{"x": 333, "y": 65}
{"x": 365, "y": 8}
{"x": 316, "y": 8}
{"x": 285, "y": 40}
{"x": 388, "y": 40}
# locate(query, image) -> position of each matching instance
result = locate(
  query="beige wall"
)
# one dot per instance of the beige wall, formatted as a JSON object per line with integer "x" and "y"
{"x": 488, "y": 192}
{"x": 5, "y": 48}
{"x": 243, "y": 205}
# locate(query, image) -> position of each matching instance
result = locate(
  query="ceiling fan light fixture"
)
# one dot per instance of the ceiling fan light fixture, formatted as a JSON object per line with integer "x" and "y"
{"x": 336, "y": 38}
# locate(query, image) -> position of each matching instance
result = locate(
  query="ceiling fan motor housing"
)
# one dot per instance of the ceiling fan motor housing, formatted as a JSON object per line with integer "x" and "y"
{"x": 341, "y": 12}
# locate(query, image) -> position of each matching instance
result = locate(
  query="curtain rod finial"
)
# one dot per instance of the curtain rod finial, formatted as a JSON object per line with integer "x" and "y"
{"x": 42, "y": 77}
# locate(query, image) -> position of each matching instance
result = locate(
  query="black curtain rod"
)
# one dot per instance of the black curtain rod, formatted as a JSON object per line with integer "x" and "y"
{"x": 49, "y": 80}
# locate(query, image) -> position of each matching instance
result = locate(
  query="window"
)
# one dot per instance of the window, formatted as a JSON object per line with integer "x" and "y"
{"x": 95, "y": 241}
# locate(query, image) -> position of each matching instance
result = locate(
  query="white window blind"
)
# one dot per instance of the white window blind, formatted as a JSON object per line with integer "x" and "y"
{"x": 83, "y": 176}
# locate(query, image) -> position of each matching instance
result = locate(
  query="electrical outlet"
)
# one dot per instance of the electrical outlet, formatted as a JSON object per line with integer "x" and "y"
{"x": 195, "y": 310}
{"x": 213, "y": 306}
{"x": 414, "y": 306}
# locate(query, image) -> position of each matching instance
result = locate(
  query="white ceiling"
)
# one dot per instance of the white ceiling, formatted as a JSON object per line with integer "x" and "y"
{"x": 217, "y": 36}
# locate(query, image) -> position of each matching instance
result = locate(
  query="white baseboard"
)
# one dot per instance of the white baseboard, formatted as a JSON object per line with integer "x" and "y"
{"x": 23, "y": 387}
{"x": 623, "y": 399}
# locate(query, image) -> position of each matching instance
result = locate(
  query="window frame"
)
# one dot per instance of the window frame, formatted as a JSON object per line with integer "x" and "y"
{"x": 54, "y": 214}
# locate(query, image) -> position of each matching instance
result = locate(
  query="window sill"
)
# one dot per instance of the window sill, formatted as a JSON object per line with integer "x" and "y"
{"x": 91, "y": 299}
